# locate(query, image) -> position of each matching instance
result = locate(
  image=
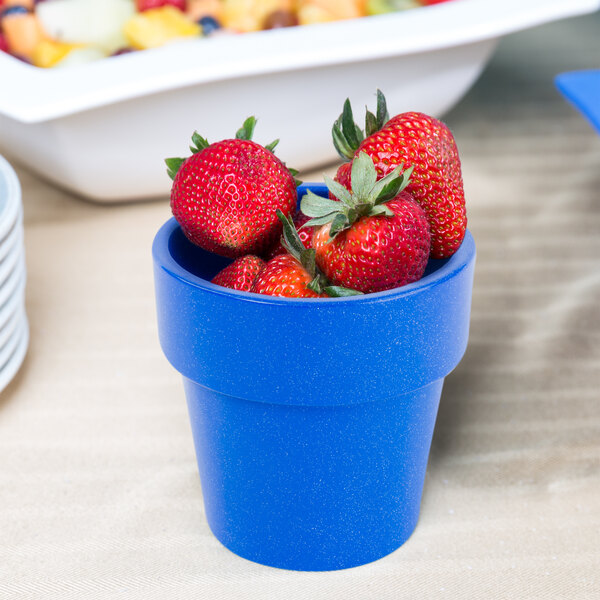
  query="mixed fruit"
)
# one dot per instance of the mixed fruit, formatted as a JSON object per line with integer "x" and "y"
{"x": 396, "y": 201}
{"x": 59, "y": 33}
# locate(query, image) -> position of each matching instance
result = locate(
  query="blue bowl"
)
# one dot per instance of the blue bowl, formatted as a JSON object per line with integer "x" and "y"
{"x": 312, "y": 418}
{"x": 582, "y": 89}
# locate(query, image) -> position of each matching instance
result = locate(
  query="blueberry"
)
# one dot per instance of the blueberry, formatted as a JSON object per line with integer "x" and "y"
{"x": 14, "y": 10}
{"x": 209, "y": 25}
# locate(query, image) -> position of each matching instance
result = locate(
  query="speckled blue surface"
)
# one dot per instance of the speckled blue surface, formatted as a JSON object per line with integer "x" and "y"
{"x": 312, "y": 419}
{"x": 312, "y": 487}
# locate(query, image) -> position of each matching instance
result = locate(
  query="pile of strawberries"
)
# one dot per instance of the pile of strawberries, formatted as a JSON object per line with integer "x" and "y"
{"x": 396, "y": 201}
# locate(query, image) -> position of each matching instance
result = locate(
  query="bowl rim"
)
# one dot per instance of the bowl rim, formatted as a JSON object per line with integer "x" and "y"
{"x": 45, "y": 94}
{"x": 164, "y": 260}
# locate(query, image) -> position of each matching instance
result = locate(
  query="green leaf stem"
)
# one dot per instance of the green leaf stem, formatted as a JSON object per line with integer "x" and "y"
{"x": 336, "y": 291}
{"x": 246, "y": 131}
{"x": 347, "y": 135}
{"x": 271, "y": 147}
{"x": 199, "y": 143}
{"x": 307, "y": 257}
{"x": 173, "y": 165}
{"x": 382, "y": 112}
{"x": 367, "y": 198}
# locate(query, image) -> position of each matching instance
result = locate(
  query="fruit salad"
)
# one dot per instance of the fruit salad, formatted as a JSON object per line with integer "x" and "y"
{"x": 396, "y": 201}
{"x": 60, "y": 33}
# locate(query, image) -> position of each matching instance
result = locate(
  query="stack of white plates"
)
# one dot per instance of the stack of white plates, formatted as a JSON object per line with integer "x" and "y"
{"x": 14, "y": 328}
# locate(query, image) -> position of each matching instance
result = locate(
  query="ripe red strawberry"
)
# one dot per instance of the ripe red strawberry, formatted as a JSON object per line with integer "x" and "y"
{"x": 143, "y": 5}
{"x": 343, "y": 176}
{"x": 295, "y": 274}
{"x": 241, "y": 273}
{"x": 284, "y": 275}
{"x": 415, "y": 140}
{"x": 305, "y": 234}
{"x": 225, "y": 196}
{"x": 376, "y": 238}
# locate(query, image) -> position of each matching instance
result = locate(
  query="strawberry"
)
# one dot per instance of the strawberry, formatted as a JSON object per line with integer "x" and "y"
{"x": 143, "y": 5}
{"x": 284, "y": 275}
{"x": 226, "y": 194}
{"x": 342, "y": 176}
{"x": 304, "y": 233}
{"x": 295, "y": 273}
{"x": 415, "y": 140}
{"x": 376, "y": 237}
{"x": 241, "y": 273}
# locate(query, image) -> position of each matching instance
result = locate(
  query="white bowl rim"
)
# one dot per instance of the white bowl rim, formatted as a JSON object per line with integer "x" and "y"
{"x": 45, "y": 94}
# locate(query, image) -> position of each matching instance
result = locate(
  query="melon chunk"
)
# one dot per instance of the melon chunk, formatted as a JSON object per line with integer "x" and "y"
{"x": 88, "y": 22}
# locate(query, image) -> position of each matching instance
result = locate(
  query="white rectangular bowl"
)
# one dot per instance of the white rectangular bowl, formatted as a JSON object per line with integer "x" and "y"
{"x": 102, "y": 130}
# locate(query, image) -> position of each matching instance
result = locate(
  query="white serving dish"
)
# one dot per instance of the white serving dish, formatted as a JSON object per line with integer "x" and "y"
{"x": 103, "y": 129}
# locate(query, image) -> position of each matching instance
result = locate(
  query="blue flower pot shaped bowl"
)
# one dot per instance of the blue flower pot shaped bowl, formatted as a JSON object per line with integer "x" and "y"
{"x": 312, "y": 418}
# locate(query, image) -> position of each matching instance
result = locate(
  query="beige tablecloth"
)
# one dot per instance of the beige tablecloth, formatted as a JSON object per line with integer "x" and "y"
{"x": 99, "y": 493}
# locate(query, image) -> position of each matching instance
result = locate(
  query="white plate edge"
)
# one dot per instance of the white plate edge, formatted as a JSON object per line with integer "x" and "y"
{"x": 13, "y": 208}
{"x": 15, "y": 293}
{"x": 15, "y": 237}
{"x": 15, "y": 361}
{"x": 8, "y": 328}
{"x": 9, "y": 347}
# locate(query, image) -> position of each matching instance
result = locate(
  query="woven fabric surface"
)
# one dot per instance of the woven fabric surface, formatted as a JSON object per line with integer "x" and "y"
{"x": 99, "y": 492}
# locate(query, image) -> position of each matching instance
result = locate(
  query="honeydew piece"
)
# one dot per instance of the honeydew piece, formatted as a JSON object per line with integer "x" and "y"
{"x": 310, "y": 14}
{"x": 22, "y": 33}
{"x": 80, "y": 56}
{"x": 49, "y": 52}
{"x": 90, "y": 22}
{"x": 322, "y": 11}
{"x": 250, "y": 15}
{"x": 159, "y": 26}
{"x": 381, "y": 7}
